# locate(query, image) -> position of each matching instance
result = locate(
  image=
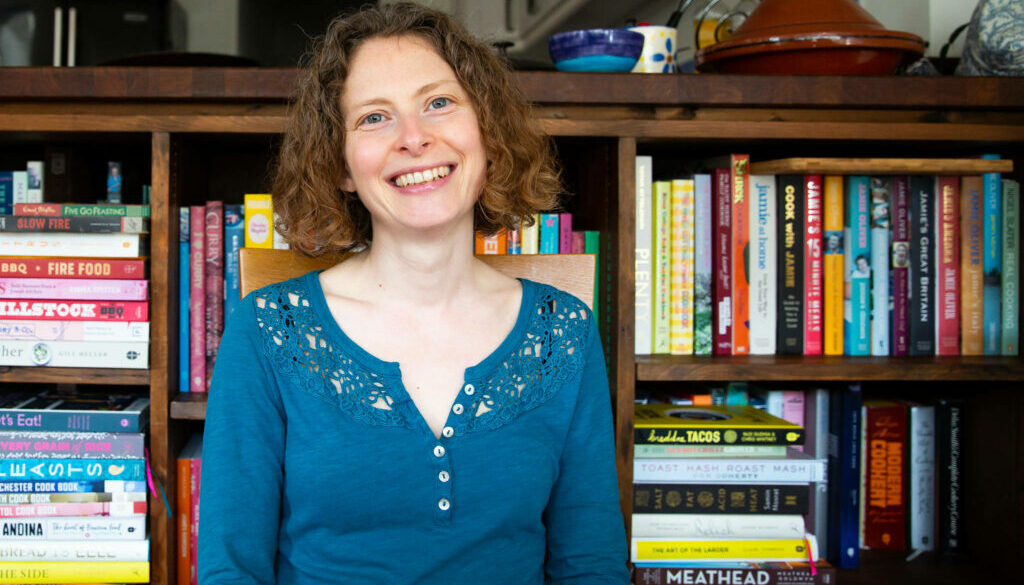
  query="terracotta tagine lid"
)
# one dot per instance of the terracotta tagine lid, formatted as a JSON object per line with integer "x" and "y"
{"x": 811, "y": 37}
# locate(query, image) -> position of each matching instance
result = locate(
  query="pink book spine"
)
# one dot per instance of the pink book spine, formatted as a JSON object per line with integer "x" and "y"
{"x": 214, "y": 282}
{"x": 197, "y": 466}
{"x": 721, "y": 259}
{"x": 578, "y": 243}
{"x": 900, "y": 323}
{"x": 814, "y": 267}
{"x": 74, "y": 509}
{"x": 793, "y": 409}
{"x": 60, "y": 310}
{"x": 564, "y": 233}
{"x": 72, "y": 268}
{"x": 197, "y": 301}
{"x": 77, "y": 289}
{"x": 947, "y": 314}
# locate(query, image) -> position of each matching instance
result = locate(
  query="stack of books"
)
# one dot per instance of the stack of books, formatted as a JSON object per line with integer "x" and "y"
{"x": 72, "y": 488}
{"x": 72, "y": 275}
{"x": 721, "y": 487}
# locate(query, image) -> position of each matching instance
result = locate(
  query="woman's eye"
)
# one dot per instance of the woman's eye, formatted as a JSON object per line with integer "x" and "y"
{"x": 438, "y": 103}
{"x": 373, "y": 119}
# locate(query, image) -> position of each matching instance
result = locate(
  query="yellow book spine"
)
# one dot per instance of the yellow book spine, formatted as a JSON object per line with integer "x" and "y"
{"x": 833, "y": 225}
{"x": 530, "y": 236}
{"x": 681, "y": 310}
{"x": 747, "y": 550}
{"x": 662, "y": 267}
{"x": 74, "y": 572}
{"x": 259, "y": 221}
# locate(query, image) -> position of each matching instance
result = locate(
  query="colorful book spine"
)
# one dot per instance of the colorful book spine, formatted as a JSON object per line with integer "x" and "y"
{"x": 43, "y": 445}
{"x": 793, "y": 409}
{"x": 741, "y": 257}
{"x": 922, "y": 265}
{"x": 34, "y": 169}
{"x": 85, "y": 289}
{"x": 992, "y": 252}
{"x": 234, "y": 240}
{"x": 531, "y": 236}
{"x": 564, "y": 233}
{"x": 183, "y": 531}
{"x": 713, "y": 550}
{"x": 213, "y": 281}
{"x": 721, "y": 260}
{"x": 761, "y": 265}
{"x": 75, "y": 572}
{"x": 702, "y": 249}
{"x": 947, "y": 266}
{"x": 735, "y": 574}
{"x": 114, "y": 486}
{"x": 592, "y": 245}
{"x": 644, "y": 258}
{"x": 857, "y": 314}
{"x": 87, "y": 225}
{"x": 834, "y": 264}
{"x": 949, "y": 422}
{"x": 577, "y": 242}
{"x": 549, "y": 233}
{"x": 75, "y": 310}
{"x": 724, "y": 498}
{"x": 72, "y": 528}
{"x": 707, "y": 451}
{"x": 73, "y": 245}
{"x": 881, "y": 303}
{"x": 81, "y": 210}
{"x": 1011, "y": 267}
{"x": 900, "y": 322}
{"x": 197, "y": 478}
{"x": 75, "y": 354}
{"x": 661, "y": 249}
{"x": 515, "y": 242}
{"x": 493, "y": 245}
{"x": 687, "y": 526}
{"x": 70, "y": 552}
{"x": 184, "y": 290}
{"x": 681, "y": 249}
{"x": 885, "y": 464}
{"x": 28, "y": 330}
{"x": 791, "y": 265}
{"x": 259, "y": 220}
{"x": 813, "y": 266}
{"x": 62, "y": 498}
{"x": 972, "y": 340}
{"x": 112, "y": 509}
{"x": 844, "y": 477}
{"x": 102, "y": 268}
{"x": 748, "y": 470}
{"x": 132, "y": 420}
{"x": 197, "y": 295}
{"x": 921, "y": 494}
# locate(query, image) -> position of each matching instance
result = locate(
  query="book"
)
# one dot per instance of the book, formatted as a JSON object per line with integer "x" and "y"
{"x": 184, "y": 290}
{"x": 19, "y": 186}
{"x": 515, "y": 242}
{"x": 816, "y": 422}
{"x": 70, "y": 551}
{"x": 29, "y": 330}
{"x": 564, "y": 233}
{"x": 795, "y": 467}
{"x": 34, "y": 170}
{"x": 711, "y": 425}
{"x": 761, "y": 265}
{"x": 75, "y": 354}
{"x": 74, "y": 528}
{"x": 85, "y": 289}
{"x": 197, "y": 295}
{"x": 740, "y": 254}
{"x": 195, "y": 475}
{"x": 73, "y": 245}
{"x": 681, "y": 268}
{"x": 972, "y": 295}
{"x": 72, "y": 469}
{"x": 592, "y": 245}
{"x": 112, "y": 486}
{"x": 992, "y": 251}
{"x": 921, "y": 477}
{"x": 549, "y": 233}
{"x": 213, "y": 281}
{"x": 74, "y": 497}
{"x": 80, "y": 209}
{"x": 184, "y": 557}
{"x": 111, "y": 509}
{"x": 857, "y": 268}
{"x": 687, "y": 526}
{"x": 844, "y": 476}
{"x": 1010, "y": 334}
{"x": 791, "y": 264}
{"x": 531, "y": 236}
{"x": 703, "y": 294}
{"x": 713, "y": 550}
{"x": 643, "y": 258}
{"x": 661, "y": 264}
{"x": 704, "y": 451}
{"x": 881, "y": 303}
{"x": 72, "y": 268}
{"x": 885, "y": 461}
{"x": 60, "y": 445}
{"x": 234, "y": 240}
{"x": 50, "y": 411}
{"x": 490, "y": 245}
{"x": 735, "y": 574}
{"x": 259, "y": 220}
{"x": 947, "y": 266}
{"x": 949, "y": 423}
{"x": 922, "y": 265}
{"x": 834, "y": 285}
{"x": 75, "y": 310}
{"x": 74, "y": 224}
{"x": 696, "y": 498}
{"x": 75, "y": 572}
{"x": 721, "y": 262}
{"x": 900, "y": 321}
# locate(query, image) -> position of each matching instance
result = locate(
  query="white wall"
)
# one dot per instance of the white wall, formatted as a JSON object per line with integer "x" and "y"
{"x": 932, "y": 20}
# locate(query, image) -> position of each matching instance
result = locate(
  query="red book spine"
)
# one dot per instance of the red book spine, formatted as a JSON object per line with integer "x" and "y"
{"x": 900, "y": 322}
{"x": 564, "y": 233}
{"x": 63, "y": 310}
{"x": 184, "y": 512}
{"x": 197, "y": 300}
{"x": 214, "y": 282}
{"x": 885, "y": 431}
{"x": 197, "y": 468}
{"x": 947, "y": 321}
{"x": 814, "y": 266}
{"x": 102, "y": 268}
{"x": 721, "y": 260}
{"x": 38, "y": 209}
{"x": 740, "y": 255}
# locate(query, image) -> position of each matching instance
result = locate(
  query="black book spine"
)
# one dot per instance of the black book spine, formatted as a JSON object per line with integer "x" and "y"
{"x": 790, "y": 265}
{"x": 948, "y": 451}
{"x": 672, "y": 498}
{"x": 922, "y": 265}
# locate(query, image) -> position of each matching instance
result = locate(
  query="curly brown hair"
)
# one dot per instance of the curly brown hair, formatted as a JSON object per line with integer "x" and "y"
{"x": 316, "y": 216}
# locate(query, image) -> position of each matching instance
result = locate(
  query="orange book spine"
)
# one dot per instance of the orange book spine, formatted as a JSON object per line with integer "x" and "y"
{"x": 184, "y": 515}
{"x": 972, "y": 339}
{"x": 740, "y": 256}
{"x": 833, "y": 220}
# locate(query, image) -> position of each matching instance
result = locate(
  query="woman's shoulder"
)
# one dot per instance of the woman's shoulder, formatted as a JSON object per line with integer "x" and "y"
{"x": 549, "y": 298}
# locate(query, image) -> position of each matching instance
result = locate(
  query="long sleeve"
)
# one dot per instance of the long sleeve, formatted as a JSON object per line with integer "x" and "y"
{"x": 243, "y": 451}
{"x": 586, "y": 540}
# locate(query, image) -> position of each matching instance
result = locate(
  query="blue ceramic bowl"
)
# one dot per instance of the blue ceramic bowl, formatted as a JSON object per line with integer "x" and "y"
{"x": 597, "y": 49}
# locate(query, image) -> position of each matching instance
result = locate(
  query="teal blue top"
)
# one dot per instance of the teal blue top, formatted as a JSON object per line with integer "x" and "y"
{"x": 319, "y": 468}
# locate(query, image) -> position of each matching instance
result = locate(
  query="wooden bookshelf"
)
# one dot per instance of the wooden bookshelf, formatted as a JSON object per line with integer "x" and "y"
{"x": 881, "y": 166}
{"x": 600, "y": 122}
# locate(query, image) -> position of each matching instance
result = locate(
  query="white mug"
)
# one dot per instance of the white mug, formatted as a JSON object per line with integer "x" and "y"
{"x": 659, "y": 54}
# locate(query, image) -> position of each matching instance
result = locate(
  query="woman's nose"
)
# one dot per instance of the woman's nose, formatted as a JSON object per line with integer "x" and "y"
{"x": 414, "y": 135}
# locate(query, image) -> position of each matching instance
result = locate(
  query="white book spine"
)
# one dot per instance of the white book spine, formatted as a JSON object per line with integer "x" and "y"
{"x": 922, "y": 478}
{"x": 702, "y": 247}
{"x": 82, "y": 528}
{"x": 761, "y": 264}
{"x": 643, "y": 260}
{"x": 881, "y": 301}
{"x": 687, "y": 526}
{"x": 35, "y": 181}
{"x": 819, "y": 497}
{"x": 42, "y": 330}
{"x": 20, "y": 187}
{"x": 71, "y": 550}
{"x": 776, "y": 403}
{"x": 72, "y": 245}
{"x": 748, "y": 470}
{"x": 75, "y": 354}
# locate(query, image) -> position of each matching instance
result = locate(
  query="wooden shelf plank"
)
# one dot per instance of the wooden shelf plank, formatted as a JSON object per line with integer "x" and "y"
{"x": 891, "y": 568}
{"x": 45, "y": 375}
{"x": 189, "y": 406}
{"x": 659, "y": 368}
{"x": 882, "y": 166}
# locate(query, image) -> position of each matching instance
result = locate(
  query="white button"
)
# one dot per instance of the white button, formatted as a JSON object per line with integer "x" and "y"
{"x": 457, "y": 409}
{"x": 470, "y": 389}
{"x": 448, "y": 432}
{"x": 444, "y": 477}
{"x": 439, "y": 451}
{"x": 444, "y": 504}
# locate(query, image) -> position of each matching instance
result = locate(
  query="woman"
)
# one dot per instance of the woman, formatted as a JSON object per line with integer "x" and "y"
{"x": 409, "y": 415}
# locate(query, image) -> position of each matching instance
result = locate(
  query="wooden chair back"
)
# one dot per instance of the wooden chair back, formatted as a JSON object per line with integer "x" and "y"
{"x": 573, "y": 273}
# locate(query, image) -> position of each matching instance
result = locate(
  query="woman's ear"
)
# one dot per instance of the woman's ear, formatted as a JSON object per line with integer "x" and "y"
{"x": 347, "y": 184}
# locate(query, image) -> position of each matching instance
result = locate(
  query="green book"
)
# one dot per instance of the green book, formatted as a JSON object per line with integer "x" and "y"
{"x": 661, "y": 248}
{"x": 103, "y": 210}
{"x": 1011, "y": 265}
{"x": 592, "y": 245}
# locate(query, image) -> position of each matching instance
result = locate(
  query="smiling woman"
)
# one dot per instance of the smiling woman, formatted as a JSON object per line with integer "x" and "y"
{"x": 409, "y": 415}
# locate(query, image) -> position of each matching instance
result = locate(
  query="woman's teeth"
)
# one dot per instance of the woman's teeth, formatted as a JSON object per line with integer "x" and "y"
{"x": 421, "y": 176}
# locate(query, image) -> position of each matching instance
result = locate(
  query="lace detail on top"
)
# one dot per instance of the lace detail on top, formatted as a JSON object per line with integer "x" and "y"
{"x": 300, "y": 349}
{"x": 550, "y": 355}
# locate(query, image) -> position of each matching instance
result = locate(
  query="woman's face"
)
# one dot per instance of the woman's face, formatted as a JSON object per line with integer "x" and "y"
{"x": 413, "y": 148}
